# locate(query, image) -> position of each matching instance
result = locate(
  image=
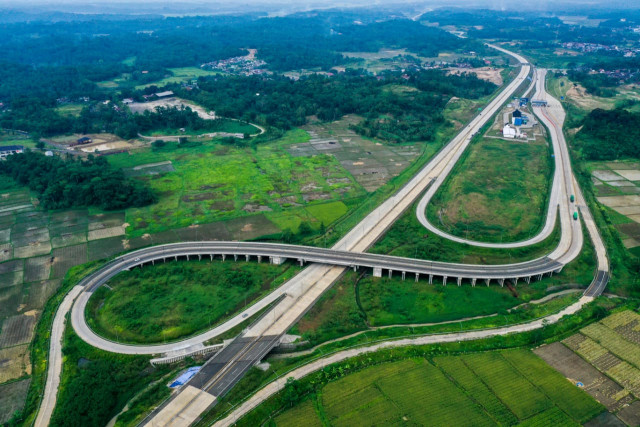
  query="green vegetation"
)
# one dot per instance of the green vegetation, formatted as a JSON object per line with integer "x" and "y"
{"x": 478, "y": 389}
{"x": 169, "y": 301}
{"x": 215, "y": 182}
{"x": 407, "y": 237}
{"x": 96, "y": 384}
{"x": 71, "y": 183}
{"x": 610, "y": 135}
{"x": 179, "y": 75}
{"x": 497, "y": 192}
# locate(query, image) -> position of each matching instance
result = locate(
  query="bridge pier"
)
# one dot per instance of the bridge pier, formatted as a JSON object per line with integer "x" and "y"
{"x": 540, "y": 276}
{"x": 444, "y": 280}
{"x": 199, "y": 257}
{"x": 235, "y": 257}
{"x": 515, "y": 281}
{"x": 403, "y": 274}
{"x": 431, "y": 279}
{"x": 223, "y": 257}
{"x": 259, "y": 259}
{"x": 528, "y": 279}
{"x": 417, "y": 276}
{"x": 276, "y": 260}
{"x": 501, "y": 281}
{"x": 153, "y": 262}
{"x": 473, "y": 282}
{"x": 246, "y": 257}
{"x": 377, "y": 272}
{"x": 390, "y": 273}
{"x": 176, "y": 257}
{"x": 301, "y": 261}
{"x": 354, "y": 267}
{"x": 459, "y": 281}
{"x": 558, "y": 270}
{"x": 487, "y": 281}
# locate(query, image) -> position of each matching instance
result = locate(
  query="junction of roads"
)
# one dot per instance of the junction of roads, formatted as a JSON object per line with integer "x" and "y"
{"x": 288, "y": 303}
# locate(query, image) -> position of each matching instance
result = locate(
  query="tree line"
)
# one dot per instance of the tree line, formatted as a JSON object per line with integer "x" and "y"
{"x": 64, "y": 183}
{"x": 610, "y": 135}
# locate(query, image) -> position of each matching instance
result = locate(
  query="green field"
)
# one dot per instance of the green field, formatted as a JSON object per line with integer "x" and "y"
{"x": 168, "y": 301}
{"x": 180, "y": 75}
{"x": 497, "y": 192}
{"x": 492, "y": 388}
{"x": 213, "y": 182}
{"x": 407, "y": 237}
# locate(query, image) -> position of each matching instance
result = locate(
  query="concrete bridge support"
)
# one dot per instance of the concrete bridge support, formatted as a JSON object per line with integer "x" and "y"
{"x": 390, "y": 273}
{"x": 235, "y": 257}
{"x": 487, "y": 281}
{"x": 417, "y": 276}
{"x": 444, "y": 280}
{"x": 301, "y": 261}
{"x": 377, "y": 272}
{"x": 515, "y": 281}
{"x": 276, "y": 260}
{"x": 431, "y": 279}
{"x": 223, "y": 257}
{"x": 247, "y": 257}
{"x": 403, "y": 274}
{"x": 459, "y": 281}
{"x": 259, "y": 259}
{"x": 528, "y": 279}
{"x": 501, "y": 281}
{"x": 473, "y": 282}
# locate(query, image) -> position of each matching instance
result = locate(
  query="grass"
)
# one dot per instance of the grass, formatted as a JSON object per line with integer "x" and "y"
{"x": 70, "y": 109}
{"x": 468, "y": 390}
{"x": 393, "y": 301}
{"x": 166, "y": 302}
{"x": 180, "y": 75}
{"x": 407, "y": 237}
{"x": 216, "y": 182}
{"x": 497, "y": 192}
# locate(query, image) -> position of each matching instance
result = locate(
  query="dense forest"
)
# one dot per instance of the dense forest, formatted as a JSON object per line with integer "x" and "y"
{"x": 44, "y": 62}
{"x": 278, "y": 102}
{"x": 610, "y": 135}
{"x": 64, "y": 183}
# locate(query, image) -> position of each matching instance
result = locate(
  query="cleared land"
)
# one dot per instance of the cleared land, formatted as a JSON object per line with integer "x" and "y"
{"x": 168, "y": 301}
{"x": 218, "y": 182}
{"x": 498, "y": 192}
{"x": 603, "y": 360}
{"x": 453, "y": 390}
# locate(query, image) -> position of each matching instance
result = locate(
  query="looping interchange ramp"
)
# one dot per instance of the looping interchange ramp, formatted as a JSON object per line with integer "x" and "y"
{"x": 291, "y": 300}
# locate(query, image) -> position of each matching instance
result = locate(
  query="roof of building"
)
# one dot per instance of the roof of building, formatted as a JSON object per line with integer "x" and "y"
{"x": 166, "y": 93}
{"x": 11, "y": 148}
{"x": 517, "y": 113}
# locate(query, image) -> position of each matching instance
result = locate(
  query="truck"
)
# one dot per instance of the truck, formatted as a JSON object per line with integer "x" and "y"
{"x": 572, "y": 198}
{"x": 575, "y": 216}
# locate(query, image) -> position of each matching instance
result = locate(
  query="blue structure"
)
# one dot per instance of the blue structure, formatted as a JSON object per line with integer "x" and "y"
{"x": 185, "y": 377}
{"x": 517, "y": 121}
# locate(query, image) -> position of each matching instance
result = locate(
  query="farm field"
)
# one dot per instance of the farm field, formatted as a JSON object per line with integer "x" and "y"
{"x": 169, "y": 301}
{"x": 617, "y": 186}
{"x": 603, "y": 360}
{"x": 498, "y": 191}
{"x": 490, "y": 388}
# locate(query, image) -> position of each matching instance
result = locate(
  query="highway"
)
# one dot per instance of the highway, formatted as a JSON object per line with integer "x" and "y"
{"x": 300, "y": 293}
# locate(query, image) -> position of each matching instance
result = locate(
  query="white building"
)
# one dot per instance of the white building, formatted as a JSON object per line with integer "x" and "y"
{"x": 8, "y": 150}
{"x": 509, "y": 131}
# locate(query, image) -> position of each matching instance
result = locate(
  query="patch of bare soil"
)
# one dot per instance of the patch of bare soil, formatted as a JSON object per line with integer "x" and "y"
{"x": 485, "y": 73}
